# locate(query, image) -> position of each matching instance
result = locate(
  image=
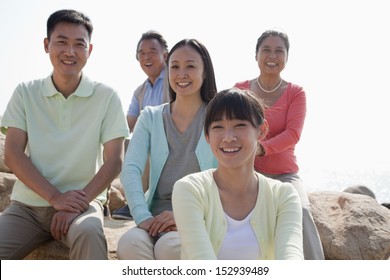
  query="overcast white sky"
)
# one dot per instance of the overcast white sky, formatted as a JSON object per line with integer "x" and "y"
{"x": 339, "y": 54}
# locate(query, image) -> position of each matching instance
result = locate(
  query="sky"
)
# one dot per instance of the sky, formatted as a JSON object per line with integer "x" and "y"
{"x": 339, "y": 54}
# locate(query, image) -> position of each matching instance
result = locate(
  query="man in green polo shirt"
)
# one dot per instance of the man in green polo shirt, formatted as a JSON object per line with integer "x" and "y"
{"x": 58, "y": 130}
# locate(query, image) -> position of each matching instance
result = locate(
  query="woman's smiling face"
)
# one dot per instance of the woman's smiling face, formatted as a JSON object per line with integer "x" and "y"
{"x": 186, "y": 71}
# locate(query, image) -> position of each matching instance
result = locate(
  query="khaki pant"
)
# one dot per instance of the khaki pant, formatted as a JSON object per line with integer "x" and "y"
{"x": 23, "y": 228}
{"x": 137, "y": 244}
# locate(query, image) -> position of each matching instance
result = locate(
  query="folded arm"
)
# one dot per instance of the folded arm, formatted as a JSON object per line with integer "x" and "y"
{"x": 113, "y": 157}
{"x": 23, "y": 168}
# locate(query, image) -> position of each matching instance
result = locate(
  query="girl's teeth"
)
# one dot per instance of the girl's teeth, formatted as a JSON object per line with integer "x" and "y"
{"x": 230, "y": 150}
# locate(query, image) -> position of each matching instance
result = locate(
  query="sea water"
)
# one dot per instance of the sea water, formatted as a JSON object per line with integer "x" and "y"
{"x": 376, "y": 179}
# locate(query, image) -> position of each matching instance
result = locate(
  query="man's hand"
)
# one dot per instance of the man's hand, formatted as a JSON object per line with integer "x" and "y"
{"x": 22, "y": 166}
{"x": 72, "y": 201}
{"x": 61, "y": 222}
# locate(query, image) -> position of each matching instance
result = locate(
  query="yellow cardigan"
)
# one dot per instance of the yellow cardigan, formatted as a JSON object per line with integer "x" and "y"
{"x": 200, "y": 220}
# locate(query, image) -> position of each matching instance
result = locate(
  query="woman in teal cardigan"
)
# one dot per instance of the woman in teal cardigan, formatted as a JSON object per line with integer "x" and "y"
{"x": 233, "y": 212}
{"x": 172, "y": 136}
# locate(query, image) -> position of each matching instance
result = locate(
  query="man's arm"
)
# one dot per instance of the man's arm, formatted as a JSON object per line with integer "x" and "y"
{"x": 21, "y": 165}
{"x": 113, "y": 157}
{"x": 131, "y": 120}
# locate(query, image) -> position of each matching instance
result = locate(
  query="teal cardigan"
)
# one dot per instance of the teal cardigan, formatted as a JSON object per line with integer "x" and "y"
{"x": 149, "y": 138}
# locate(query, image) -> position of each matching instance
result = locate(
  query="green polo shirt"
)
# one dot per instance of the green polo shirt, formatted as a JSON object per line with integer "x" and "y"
{"x": 65, "y": 136}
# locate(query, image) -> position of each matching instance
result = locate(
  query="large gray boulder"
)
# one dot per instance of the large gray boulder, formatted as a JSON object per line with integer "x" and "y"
{"x": 351, "y": 226}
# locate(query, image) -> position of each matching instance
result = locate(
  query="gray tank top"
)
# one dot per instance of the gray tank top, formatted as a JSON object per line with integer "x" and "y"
{"x": 181, "y": 160}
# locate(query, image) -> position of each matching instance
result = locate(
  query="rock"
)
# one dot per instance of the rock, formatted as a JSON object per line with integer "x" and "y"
{"x": 3, "y": 167}
{"x": 387, "y": 205}
{"x": 116, "y": 198}
{"x": 50, "y": 250}
{"x": 360, "y": 190}
{"x": 7, "y": 181}
{"x": 113, "y": 230}
{"x": 55, "y": 250}
{"x": 351, "y": 226}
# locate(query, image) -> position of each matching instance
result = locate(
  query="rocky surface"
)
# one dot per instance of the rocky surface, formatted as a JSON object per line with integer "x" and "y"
{"x": 3, "y": 167}
{"x": 351, "y": 226}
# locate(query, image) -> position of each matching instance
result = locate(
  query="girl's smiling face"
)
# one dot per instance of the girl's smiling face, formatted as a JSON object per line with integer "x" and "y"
{"x": 234, "y": 142}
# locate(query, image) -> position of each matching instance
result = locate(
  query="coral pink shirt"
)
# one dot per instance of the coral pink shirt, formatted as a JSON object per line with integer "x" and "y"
{"x": 286, "y": 119}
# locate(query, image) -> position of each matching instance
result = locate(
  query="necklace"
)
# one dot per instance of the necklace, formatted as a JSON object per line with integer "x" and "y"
{"x": 269, "y": 91}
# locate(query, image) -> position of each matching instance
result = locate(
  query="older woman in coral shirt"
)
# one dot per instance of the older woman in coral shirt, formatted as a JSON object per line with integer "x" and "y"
{"x": 285, "y": 113}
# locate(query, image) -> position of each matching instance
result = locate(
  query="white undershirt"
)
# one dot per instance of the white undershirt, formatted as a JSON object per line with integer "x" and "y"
{"x": 240, "y": 242}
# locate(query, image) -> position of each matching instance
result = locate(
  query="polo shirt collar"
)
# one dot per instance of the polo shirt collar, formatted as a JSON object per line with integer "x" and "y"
{"x": 160, "y": 77}
{"x": 162, "y": 74}
{"x": 84, "y": 89}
